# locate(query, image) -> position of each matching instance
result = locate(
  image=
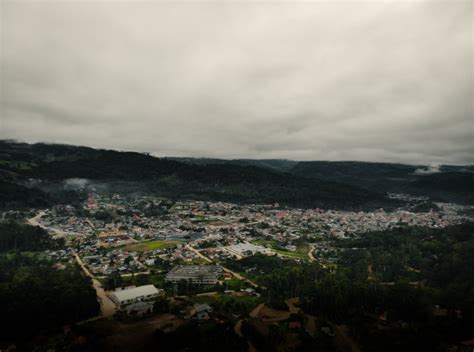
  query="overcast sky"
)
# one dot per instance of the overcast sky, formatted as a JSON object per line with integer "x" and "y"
{"x": 376, "y": 81}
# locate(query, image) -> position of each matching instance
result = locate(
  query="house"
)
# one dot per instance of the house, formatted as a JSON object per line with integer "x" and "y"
{"x": 133, "y": 295}
{"x": 200, "y": 311}
{"x": 290, "y": 248}
{"x": 150, "y": 262}
{"x": 250, "y": 292}
{"x": 139, "y": 308}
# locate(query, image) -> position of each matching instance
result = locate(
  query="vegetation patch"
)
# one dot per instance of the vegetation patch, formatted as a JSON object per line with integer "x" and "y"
{"x": 151, "y": 245}
{"x": 297, "y": 255}
{"x": 300, "y": 253}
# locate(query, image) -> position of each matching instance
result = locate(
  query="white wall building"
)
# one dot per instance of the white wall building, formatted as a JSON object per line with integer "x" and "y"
{"x": 135, "y": 294}
{"x": 243, "y": 249}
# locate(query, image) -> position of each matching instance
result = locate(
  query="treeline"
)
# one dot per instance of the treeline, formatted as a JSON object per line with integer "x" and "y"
{"x": 427, "y": 268}
{"x": 441, "y": 257}
{"x": 262, "y": 264}
{"x": 15, "y": 196}
{"x": 388, "y": 317}
{"x": 18, "y": 196}
{"x": 36, "y": 297}
{"x": 450, "y": 184}
{"x": 140, "y": 173}
{"x": 22, "y": 237}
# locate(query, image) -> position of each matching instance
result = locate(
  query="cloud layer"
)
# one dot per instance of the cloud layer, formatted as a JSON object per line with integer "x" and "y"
{"x": 377, "y": 81}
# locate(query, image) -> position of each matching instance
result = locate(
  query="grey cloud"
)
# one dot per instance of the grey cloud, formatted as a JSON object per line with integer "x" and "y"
{"x": 377, "y": 81}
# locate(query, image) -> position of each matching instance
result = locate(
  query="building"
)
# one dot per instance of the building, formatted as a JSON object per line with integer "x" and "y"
{"x": 245, "y": 249}
{"x": 133, "y": 295}
{"x": 139, "y": 308}
{"x": 196, "y": 274}
{"x": 200, "y": 311}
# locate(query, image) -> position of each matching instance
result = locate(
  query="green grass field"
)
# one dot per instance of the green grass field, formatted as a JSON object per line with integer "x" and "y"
{"x": 301, "y": 251}
{"x": 265, "y": 243}
{"x": 151, "y": 245}
{"x": 297, "y": 255}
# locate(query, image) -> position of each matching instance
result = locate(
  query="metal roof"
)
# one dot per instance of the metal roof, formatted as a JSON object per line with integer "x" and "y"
{"x": 132, "y": 293}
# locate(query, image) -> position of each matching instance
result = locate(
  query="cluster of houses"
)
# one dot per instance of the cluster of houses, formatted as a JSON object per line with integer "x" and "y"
{"x": 103, "y": 263}
{"x": 129, "y": 220}
{"x": 102, "y": 229}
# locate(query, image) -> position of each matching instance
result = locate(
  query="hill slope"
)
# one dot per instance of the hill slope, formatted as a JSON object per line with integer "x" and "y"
{"x": 449, "y": 183}
{"x": 49, "y": 165}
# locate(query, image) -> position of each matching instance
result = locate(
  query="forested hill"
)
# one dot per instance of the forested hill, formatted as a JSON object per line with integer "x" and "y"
{"x": 40, "y": 168}
{"x": 448, "y": 183}
{"x": 281, "y": 165}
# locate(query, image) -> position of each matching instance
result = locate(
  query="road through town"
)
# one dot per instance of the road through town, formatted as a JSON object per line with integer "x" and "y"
{"x": 107, "y": 307}
{"x": 233, "y": 273}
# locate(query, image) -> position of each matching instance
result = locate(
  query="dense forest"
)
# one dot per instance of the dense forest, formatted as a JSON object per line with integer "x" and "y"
{"x": 448, "y": 183}
{"x": 412, "y": 271}
{"x": 45, "y": 168}
{"x": 32, "y": 175}
{"x": 20, "y": 196}
{"x": 36, "y": 295}
{"x": 439, "y": 258}
{"x": 22, "y": 237}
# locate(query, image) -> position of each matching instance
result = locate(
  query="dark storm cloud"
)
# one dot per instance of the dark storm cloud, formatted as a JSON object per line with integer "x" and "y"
{"x": 380, "y": 81}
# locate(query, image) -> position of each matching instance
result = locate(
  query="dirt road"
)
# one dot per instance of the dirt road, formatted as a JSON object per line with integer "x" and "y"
{"x": 311, "y": 257}
{"x": 199, "y": 254}
{"x": 34, "y": 221}
{"x": 107, "y": 307}
{"x": 254, "y": 313}
{"x": 291, "y": 305}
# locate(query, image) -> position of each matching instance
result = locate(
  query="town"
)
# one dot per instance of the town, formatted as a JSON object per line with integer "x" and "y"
{"x": 170, "y": 263}
{"x": 168, "y": 242}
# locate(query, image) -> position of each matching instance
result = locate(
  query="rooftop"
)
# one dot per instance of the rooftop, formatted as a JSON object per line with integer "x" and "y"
{"x": 132, "y": 293}
{"x": 195, "y": 270}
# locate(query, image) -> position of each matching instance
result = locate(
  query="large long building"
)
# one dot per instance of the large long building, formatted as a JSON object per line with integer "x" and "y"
{"x": 197, "y": 274}
{"x": 135, "y": 294}
{"x": 245, "y": 249}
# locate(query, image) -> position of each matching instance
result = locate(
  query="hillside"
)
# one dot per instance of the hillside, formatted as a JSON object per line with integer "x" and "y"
{"x": 449, "y": 184}
{"x": 45, "y": 167}
{"x": 282, "y": 165}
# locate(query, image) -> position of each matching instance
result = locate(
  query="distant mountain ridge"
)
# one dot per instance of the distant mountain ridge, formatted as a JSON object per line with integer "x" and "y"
{"x": 334, "y": 185}
{"x": 449, "y": 183}
{"x": 282, "y": 165}
{"x": 136, "y": 173}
